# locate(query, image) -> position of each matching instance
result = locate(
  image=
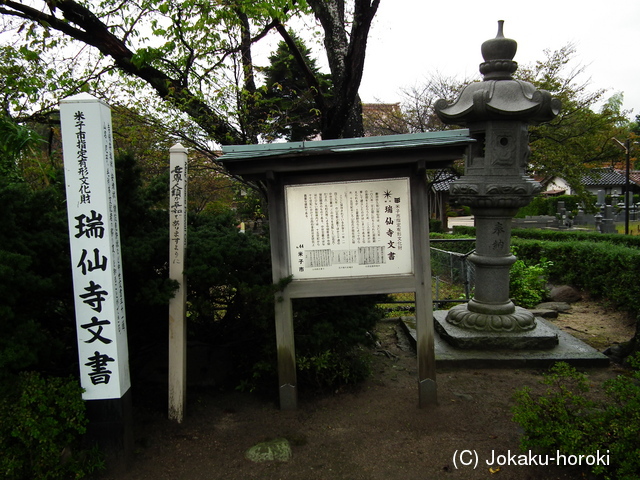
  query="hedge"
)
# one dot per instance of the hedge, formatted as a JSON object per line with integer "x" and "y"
{"x": 632, "y": 241}
{"x": 607, "y": 266}
{"x": 606, "y": 270}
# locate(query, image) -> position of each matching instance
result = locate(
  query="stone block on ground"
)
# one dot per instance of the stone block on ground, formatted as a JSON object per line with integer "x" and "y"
{"x": 565, "y": 293}
{"x": 540, "y": 337}
{"x": 544, "y": 312}
{"x": 560, "y": 307}
{"x": 278, "y": 450}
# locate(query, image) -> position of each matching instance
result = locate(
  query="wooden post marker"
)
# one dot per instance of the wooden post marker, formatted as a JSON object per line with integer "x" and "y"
{"x": 177, "y": 305}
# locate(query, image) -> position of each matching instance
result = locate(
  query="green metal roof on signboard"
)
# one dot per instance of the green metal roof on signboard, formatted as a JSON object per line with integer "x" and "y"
{"x": 430, "y": 150}
{"x": 346, "y": 145}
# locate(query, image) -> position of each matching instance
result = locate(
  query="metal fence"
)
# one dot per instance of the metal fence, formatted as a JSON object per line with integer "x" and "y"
{"x": 453, "y": 275}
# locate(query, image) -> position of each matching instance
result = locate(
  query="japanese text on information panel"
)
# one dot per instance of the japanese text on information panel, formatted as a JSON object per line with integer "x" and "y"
{"x": 344, "y": 229}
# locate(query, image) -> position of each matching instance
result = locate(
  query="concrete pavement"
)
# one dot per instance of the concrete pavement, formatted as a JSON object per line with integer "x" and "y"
{"x": 466, "y": 221}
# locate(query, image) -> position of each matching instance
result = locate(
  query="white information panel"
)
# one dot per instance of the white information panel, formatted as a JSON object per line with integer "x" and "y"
{"x": 349, "y": 229}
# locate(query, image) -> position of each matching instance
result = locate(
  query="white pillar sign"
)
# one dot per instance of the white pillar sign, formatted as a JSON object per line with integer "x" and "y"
{"x": 349, "y": 229}
{"x": 95, "y": 247}
{"x": 177, "y": 305}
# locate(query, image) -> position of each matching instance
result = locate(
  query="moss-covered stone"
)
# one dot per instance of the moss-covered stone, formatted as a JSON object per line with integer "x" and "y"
{"x": 277, "y": 450}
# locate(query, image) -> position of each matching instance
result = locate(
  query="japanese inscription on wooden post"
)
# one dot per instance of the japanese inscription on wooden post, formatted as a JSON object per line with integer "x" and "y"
{"x": 177, "y": 305}
{"x": 95, "y": 247}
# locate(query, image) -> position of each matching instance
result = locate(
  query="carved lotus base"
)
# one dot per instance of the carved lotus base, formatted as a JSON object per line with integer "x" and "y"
{"x": 521, "y": 320}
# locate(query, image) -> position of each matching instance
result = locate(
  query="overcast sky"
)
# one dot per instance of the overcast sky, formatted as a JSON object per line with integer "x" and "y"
{"x": 411, "y": 39}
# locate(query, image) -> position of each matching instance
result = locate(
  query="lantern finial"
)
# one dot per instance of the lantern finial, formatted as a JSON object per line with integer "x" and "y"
{"x": 498, "y": 56}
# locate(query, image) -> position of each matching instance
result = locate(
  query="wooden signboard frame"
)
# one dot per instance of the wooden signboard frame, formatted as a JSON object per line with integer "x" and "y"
{"x": 419, "y": 282}
{"x": 350, "y": 160}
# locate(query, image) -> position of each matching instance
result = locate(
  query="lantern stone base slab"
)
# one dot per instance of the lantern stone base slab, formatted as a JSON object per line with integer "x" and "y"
{"x": 569, "y": 349}
{"x": 540, "y": 338}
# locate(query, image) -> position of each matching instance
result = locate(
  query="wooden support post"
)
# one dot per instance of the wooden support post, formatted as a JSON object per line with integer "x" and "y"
{"x": 287, "y": 378}
{"x": 427, "y": 391}
{"x": 111, "y": 428}
{"x": 177, "y": 305}
{"x": 285, "y": 343}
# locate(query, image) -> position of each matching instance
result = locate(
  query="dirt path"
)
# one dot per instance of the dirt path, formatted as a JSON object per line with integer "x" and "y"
{"x": 373, "y": 432}
{"x": 596, "y": 324}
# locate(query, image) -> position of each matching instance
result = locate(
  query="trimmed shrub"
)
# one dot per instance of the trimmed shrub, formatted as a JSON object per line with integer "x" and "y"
{"x": 565, "y": 418}
{"x": 607, "y": 271}
{"x": 630, "y": 241}
{"x": 41, "y": 424}
{"x": 527, "y": 283}
{"x": 605, "y": 265}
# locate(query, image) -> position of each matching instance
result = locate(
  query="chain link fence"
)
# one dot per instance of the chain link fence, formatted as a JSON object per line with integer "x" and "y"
{"x": 452, "y": 274}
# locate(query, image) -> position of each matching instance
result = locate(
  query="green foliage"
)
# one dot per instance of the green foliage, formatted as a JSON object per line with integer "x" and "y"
{"x": 630, "y": 241}
{"x": 15, "y": 141}
{"x": 144, "y": 242}
{"x": 41, "y": 424}
{"x": 591, "y": 266}
{"x": 37, "y": 322}
{"x": 36, "y": 305}
{"x": 28, "y": 74}
{"x": 605, "y": 265}
{"x": 231, "y": 296}
{"x": 435, "y": 225}
{"x": 454, "y": 245}
{"x": 288, "y": 103}
{"x": 330, "y": 334}
{"x": 567, "y": 419}
{"x": 464, "y": 230}
{"x": 329, "y": 369}
{"x": 578, "y": 136}
{"x": 335, "y": 323}
{"x": 227, "y": 272}
{"x": 549, "y": 205}
{"x": 586, "y": 260}
{"x": 185, "y": 65}
{"x": 527, "y": 283}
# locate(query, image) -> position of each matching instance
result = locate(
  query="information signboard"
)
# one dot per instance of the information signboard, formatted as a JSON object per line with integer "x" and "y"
{"x": 95, "y": 247}
{"x": 349, "y": 229}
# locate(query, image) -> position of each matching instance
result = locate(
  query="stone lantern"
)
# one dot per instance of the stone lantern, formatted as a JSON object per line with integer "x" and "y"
{"x": 497, "y": 112}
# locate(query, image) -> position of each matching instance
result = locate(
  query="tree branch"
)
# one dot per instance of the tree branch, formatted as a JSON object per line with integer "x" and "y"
{"x": 92, "y": 31}
{"x": 309, "y": 76}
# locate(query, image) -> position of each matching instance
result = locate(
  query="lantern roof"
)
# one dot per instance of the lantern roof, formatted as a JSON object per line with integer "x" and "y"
{"x": 499, "y": 96}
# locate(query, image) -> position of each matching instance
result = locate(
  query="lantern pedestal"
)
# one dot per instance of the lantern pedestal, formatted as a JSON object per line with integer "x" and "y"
{"x": 539, "y": 338}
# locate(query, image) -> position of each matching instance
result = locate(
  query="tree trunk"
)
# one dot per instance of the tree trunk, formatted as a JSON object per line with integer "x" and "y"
{"x": 247, "y": 98}
{"x": 346, "y": 55}
{"x": 345, "y": 52}
{"x": 83, "y": 25}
